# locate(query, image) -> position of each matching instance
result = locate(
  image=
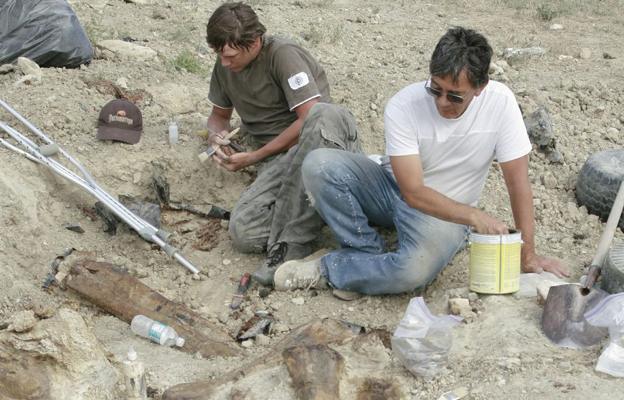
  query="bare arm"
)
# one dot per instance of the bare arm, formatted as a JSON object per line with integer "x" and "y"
{"x": 290, "y": 135}
{"x": 516, "y": 177}
{"x": 219, "y": 120}
{"x": 409, "y": 174}
{"x": 279, "y": 144}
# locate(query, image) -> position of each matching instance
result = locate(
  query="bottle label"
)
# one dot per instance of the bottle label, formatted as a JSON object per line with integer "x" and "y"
{"x": 156, "y": 331}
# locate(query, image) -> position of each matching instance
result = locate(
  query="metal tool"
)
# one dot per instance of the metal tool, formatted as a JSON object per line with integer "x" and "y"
{"x": 243, "y": 285}
{"x": 205, "y": 155}
{"x": 42, "y": 154}
{"x": 563, "y": 319}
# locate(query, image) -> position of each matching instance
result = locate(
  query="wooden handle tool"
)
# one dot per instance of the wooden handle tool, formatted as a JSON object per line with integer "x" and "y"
{"x": 205, "y": 155}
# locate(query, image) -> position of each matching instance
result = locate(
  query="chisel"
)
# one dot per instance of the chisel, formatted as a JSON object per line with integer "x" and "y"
{"x": 243, "y": 285}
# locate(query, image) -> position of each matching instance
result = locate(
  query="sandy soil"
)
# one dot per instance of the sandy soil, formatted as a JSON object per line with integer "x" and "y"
{"x": 370, "y": 50}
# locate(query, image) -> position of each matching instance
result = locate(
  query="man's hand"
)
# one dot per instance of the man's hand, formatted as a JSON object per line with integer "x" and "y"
{"x": 218, "y": 138}
{"x": 235, "y": 161}
{"x": 537, "y": 264}
{"x": 486, "y": 224}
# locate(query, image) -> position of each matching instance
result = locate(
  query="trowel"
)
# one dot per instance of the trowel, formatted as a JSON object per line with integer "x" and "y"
{"x": 563, "y": 321}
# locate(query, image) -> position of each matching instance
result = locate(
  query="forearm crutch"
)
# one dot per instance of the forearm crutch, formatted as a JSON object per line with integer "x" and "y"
{"x": 42, "y": 155}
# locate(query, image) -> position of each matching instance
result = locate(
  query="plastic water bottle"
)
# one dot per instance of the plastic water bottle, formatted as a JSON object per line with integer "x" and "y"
{"x": 173, "y": 132}
{"x": 134, "y": 377}
{"x": 155, "y": 331}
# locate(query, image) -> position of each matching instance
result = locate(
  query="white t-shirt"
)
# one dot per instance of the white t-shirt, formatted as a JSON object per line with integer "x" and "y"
{"x": 456, "y": 153}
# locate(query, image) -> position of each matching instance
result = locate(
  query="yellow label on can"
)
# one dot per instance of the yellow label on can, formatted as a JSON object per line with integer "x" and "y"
{"x": 495, "y": 263}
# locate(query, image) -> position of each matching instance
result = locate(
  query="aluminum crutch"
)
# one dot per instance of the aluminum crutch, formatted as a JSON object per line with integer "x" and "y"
{"x": 33, "y": 152}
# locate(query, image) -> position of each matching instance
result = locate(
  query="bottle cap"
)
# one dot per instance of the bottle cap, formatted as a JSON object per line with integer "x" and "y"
{"x": 180, "y": 342}
{"x": 132, "y": 355}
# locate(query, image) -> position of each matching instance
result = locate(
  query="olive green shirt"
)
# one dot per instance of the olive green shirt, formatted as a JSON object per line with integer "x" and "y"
{"x": 265, "y": 93}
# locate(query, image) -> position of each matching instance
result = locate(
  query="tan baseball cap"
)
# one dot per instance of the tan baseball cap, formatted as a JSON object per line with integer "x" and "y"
{"x": 120, "y": 120}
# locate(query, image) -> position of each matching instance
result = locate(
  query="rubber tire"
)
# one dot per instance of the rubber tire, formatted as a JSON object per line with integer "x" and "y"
{"x": 613, "y": 269}
{"x": 598, "y": 182}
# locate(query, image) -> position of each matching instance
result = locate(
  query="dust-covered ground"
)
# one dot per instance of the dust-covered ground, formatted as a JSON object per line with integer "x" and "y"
{"x": 370, "y": 50}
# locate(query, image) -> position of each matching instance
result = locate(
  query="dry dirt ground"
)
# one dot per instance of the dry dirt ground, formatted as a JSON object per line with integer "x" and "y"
{"x": 370, "y": 50}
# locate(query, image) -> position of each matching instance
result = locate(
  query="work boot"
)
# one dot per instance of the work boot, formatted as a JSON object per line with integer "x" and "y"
{"x": 275, "y": 257}
{"x": 300, "y": 274}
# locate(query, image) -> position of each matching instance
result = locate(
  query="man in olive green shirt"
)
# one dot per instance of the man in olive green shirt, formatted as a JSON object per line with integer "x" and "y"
{"x": 282, "y": 96}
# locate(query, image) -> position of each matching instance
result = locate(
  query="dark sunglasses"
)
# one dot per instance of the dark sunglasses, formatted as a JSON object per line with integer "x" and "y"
{"x": 453, "y": 98}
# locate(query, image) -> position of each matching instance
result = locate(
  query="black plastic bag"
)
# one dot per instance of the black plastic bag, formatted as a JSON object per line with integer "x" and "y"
{"x": 46, "y": 31}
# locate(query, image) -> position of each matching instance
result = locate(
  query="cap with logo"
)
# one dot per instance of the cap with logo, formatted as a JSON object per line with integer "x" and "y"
{"x": 120, "y": 120}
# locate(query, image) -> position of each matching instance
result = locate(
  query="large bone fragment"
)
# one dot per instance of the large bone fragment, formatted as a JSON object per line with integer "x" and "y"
{"x": 117, "y": 292}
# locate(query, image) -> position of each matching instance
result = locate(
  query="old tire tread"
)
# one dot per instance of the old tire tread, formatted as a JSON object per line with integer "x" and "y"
{"x": 613, "y": 269}
{"x": 598, "y": 182}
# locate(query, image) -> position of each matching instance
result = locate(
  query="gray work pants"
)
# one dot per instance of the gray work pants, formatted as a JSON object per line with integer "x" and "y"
{"x": 275, "y": 207}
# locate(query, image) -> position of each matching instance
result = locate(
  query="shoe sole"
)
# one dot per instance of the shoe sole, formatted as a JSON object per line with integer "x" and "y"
{"x": 346, "y": 295}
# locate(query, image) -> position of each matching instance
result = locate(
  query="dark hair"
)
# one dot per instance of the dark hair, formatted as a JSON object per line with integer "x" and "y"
{"x": 235, "y": 25}
{"x": 462, "y": 49}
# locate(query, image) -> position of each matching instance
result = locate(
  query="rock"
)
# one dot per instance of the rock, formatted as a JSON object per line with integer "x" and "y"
{"x": 503, "y": 64}
{"x": 175, "y": 98}
{"x": 539, "y": 127}
{"x": 279, "y": 327}
{"x": 585, "y": 53}
{"x": 29, "y": 67}
{"x": 22, "y": 321}
{"x": 496, "y": 69}
{"x": 613, "y": 134}
{"x": 247, "y": 343}
{"x": 119, "y": 49}
{"x": 461, "y": 307}
{"x": 61, "y": 357}
{"x": 549, "y": 181}
{"x": 262, "y": 340}
{"x": 43, "y": 310}
{"x": 122, "y": 82}
{"x": 555, "y": 27}
{"x": 554, "y": 156}
{"x": 226, "y": 261}
{"x": 298, "y": 301}
{"x": 6, "y": 68}
{"x": 529, "y": 283}
{"x": 141, "y": 2}
{"x": 513, "y": 56}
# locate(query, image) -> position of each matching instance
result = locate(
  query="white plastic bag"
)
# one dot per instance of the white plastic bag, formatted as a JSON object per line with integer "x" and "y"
{"x": 422, "y": 340}
{"x": 610, "y": 313}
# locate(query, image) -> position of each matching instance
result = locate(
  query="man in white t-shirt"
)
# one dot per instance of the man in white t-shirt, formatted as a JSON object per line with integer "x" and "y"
{"x": 441, "y": 138}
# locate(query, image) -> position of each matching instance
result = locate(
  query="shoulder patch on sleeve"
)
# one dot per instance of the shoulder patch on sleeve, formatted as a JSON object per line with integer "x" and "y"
{"x": 298, "y": 80}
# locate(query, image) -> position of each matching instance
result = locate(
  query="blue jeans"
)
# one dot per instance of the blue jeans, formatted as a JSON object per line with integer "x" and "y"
{"x": 351, "y": 193}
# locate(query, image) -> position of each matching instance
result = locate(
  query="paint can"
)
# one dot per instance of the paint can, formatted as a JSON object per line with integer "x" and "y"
{"x": 495, "y": 262}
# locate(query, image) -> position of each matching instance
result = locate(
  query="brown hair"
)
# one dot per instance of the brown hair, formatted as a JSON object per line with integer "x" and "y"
{"x": 235, "y": 25}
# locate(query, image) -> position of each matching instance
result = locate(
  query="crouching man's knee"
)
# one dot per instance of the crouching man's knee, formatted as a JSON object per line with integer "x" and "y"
{"x": 318, "y": 168}
{"x": 245, "y": 239}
